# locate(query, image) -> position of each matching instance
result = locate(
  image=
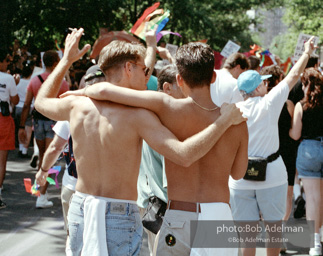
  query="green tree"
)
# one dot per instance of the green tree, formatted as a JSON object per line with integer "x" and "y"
{"x": 217, "y": 21}
{"x": 301, "y": 17}
{"x": 40, "y": 22}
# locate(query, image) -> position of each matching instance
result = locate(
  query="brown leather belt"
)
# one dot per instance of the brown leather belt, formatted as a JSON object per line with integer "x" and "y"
{"x": 183, "y": 206}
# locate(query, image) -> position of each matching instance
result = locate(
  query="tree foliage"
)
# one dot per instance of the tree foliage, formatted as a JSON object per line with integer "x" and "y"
{"x": 40, "y": 22}
{"x": 301, "y": 16}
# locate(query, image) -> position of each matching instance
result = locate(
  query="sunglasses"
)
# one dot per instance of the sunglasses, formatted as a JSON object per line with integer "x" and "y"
{"x": 144, "y": 67}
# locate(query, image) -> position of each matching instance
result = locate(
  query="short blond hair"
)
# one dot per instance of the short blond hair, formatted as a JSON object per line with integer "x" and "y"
{"x": 118, "y": 52}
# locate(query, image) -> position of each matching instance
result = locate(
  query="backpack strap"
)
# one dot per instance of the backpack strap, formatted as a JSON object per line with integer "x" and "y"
{"x": 70, "y": 146}
{"x": 35, "y": 113}
{"x": 70, "y": 160}
{"x": 40, "y": 78}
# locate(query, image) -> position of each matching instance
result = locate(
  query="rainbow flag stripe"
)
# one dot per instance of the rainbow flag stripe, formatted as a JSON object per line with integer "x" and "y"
{"x": 160, "y": 21}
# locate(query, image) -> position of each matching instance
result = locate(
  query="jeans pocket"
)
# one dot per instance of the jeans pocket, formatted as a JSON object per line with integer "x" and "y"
{"x": 124, "y": 234}
{"x": 309, "y": 150}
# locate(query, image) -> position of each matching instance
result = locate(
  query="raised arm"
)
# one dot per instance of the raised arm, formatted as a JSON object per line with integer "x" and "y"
{"x": 154, "y": 101}
{"x": 295, "y": 131}
{"x": 46, "y": 101}
{"x": 151, "y": 45}
{"x": 190, "y": 150}
{"x": 300, "y": 65}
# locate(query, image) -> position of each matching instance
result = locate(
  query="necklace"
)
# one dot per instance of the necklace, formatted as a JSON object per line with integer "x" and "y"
{"x": 207, "y": 109}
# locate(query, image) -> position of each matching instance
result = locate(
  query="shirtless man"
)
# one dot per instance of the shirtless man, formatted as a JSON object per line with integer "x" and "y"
{"x": 107, "y": 140}
{"x": 199, "y": 191}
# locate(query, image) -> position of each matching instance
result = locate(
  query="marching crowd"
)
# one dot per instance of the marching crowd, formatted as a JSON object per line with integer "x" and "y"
{"x": 240, "y": 144}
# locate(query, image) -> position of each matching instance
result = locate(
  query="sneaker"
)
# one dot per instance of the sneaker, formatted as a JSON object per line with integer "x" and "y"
{"x": 2, "y": 204}
{"x": 283, "y": 250}
{"x": 300, "y": 207}
{"x": 42, "y": 202}
{"x": 33, "y": 161}
{"x": 316, "y": 251}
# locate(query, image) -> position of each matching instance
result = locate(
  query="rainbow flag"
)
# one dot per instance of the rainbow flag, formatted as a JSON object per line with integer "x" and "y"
{"x": 57, "y": 45}
{"x": 163, "y": 33}
{"x": 160, "y": 21}
{"x": 287, "y": 65}
{"x": 266, "y": 57}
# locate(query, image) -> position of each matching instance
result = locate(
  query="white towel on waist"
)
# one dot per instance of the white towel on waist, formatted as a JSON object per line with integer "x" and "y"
{"x": 94, "y": 234}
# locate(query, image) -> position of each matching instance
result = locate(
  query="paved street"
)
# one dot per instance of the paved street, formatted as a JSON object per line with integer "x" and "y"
{"x": 25, "y": 230}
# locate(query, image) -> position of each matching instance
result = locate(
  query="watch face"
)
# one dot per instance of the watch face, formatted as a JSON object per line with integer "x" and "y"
{"x": 170, "y": 240}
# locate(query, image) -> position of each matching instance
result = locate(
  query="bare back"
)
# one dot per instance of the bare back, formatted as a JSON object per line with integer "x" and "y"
{"x": 207, "y": 179}
{"x": 107, "y": 149}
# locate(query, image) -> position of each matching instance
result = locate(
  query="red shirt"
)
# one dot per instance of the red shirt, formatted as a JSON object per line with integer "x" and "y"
{"x": 35, "y": 83}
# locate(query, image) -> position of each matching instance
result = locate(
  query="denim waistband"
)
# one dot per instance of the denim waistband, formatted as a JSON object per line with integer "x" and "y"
{"x": 107, "y": 199}
{"x": 113, "y": 206}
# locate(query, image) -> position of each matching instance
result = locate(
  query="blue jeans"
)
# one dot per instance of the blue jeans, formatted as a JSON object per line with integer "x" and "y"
{"x": 43, "y": 129}
{"x": 309, "y": 161}
{"x": 123, "y": 229}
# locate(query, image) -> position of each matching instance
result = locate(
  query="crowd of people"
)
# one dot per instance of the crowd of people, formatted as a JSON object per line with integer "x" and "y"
{"x": 228, "y": 145}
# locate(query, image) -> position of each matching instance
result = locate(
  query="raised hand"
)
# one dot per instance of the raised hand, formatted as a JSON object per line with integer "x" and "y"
{"x": 309, "y": 46}
{"x": 72, "y": 52}
{"x": 165, "y": 54}
{"x": 150, "y": 36}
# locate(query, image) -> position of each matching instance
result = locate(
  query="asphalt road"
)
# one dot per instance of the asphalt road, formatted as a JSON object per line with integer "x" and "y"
{"x": 25, "y": 230}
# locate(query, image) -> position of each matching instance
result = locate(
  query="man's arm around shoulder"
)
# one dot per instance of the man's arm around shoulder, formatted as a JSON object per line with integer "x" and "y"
{"x": 193, "y": 148}
{"x": 155, "y": 101}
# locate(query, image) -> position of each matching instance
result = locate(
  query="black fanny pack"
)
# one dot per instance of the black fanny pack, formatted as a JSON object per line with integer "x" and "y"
{"x": 257, "y": 167}
{"x": 153, "y": 216}
{"x": 4, "y": 108}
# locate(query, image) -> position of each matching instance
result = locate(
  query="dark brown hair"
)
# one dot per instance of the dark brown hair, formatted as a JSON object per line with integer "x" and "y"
{"x": 50, "y": 58}
{"x": 195, "y": 64}
{"x": 312, "y": 79}
{"x": 167, "y": 74}
{"x": 236, "y": 59}
{"x": 276, "y": 73}
{"x": 253, "y": 62}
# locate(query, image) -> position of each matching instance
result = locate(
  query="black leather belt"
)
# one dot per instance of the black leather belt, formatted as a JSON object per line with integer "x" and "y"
{"x": 317, "y": 138}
